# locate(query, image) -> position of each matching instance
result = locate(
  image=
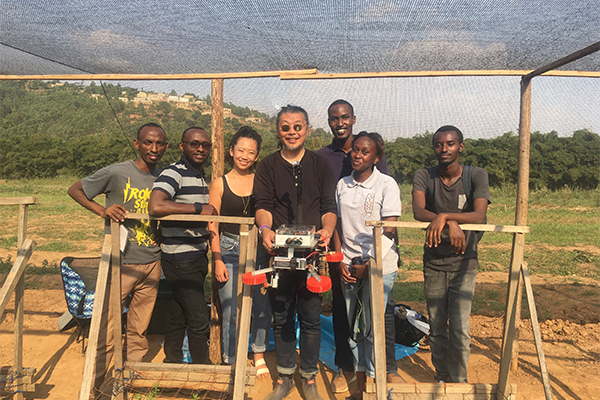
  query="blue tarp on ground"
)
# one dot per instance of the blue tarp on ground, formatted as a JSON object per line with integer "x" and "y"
{"x": 327, "y": 353}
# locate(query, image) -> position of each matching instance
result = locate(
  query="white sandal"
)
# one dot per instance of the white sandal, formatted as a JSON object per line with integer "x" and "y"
{"x": 262, "y": 372}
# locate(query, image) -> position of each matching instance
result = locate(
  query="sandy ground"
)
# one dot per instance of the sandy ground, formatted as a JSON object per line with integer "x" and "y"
{"x": 572, "y": 353}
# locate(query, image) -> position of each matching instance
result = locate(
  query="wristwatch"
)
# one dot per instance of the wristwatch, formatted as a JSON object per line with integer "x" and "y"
{"x": 198, "y": 207}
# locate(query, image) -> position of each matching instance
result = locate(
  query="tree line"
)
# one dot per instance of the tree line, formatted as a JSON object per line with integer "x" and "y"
{"x": 48, "y": 130}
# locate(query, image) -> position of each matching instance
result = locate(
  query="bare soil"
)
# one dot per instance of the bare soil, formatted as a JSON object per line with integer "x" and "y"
{"x": 570, "y": 328}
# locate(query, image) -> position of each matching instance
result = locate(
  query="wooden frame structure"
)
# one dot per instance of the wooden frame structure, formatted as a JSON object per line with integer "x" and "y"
{"x": 171, "y": 375}
{"x": 516, "y": 270}
{"x": 15, "y": 282}
{"x": 429, "y": 391}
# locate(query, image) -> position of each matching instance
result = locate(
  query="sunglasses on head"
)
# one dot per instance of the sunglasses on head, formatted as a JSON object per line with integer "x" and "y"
{"x": 297, "y": 127}
{"x": 194, "y": 144}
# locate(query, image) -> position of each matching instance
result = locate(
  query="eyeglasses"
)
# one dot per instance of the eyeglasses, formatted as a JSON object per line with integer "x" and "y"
{"x": 286, "y": 128}
{"x": 194, "y": 144}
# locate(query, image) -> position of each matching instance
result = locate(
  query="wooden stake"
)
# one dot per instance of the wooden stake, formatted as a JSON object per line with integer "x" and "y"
{"x": 248, "y": 242}
{"x": 15, "y": 273}
{"x": 514, "y": 362}
{"x": 19, "y": 305}
{"x": 378, "y": 314}
{"x": 117, "y": 310}
{"x": 536, "y": 332}
{"x": 99, "y": 299}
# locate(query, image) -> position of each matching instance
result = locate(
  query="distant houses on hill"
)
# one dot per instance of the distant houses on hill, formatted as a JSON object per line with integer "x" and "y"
{"x": 180, "y": 101}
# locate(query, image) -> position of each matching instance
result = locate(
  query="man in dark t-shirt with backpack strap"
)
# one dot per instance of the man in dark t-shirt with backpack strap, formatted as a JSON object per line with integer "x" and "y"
{"x": 450, "y": 255}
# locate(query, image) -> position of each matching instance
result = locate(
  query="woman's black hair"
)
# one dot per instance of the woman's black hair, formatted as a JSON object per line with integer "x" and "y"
{"x": 244, "y": 132}
{"x": 376, "y": 138}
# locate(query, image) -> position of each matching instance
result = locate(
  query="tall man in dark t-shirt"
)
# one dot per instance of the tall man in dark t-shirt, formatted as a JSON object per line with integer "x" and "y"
{"x": 127, "y": 188}
{"x": 276, "y": 204}
{"x": 450, "y": 255}
{"x": 341, "y": 120}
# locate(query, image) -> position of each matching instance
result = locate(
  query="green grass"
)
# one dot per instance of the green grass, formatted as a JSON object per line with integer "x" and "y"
{"x": 488, "y": 301}
{"x": 409, "y": 291}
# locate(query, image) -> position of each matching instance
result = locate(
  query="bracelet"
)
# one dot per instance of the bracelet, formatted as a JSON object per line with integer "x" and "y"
{"x": 263, "y": 227}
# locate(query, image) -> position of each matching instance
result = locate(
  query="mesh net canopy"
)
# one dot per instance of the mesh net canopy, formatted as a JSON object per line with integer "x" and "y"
{"x": 183, "y": 36}
{"x": 226, "y": 36}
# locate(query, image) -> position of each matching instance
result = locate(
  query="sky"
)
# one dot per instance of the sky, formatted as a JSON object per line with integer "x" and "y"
{"x": 482, "y": 107}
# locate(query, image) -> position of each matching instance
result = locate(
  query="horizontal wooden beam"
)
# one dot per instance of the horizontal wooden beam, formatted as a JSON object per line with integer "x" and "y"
{"x": 464, "y": 227}
{"x": 13, "y": 201}
{"x": 195, "y": 217}
{"x": 190, "y": 376}
{"x": 158, "y": 77}
{"x": 169, "y": 367}
{"x": 440, "y": 390}
{"x": 422, "y": 74}
{"x": 294, "y": 75}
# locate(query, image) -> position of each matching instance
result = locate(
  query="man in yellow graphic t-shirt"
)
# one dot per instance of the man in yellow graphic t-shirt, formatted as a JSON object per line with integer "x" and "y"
{"x": 127, "y": 188}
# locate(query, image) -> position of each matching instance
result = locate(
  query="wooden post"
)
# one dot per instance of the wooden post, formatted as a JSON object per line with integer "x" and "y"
{"x": 248, "y": 242}
{"x": 99, "y": 299}
{"x": 19, "y": 306}
{"x": 117, "y": 311}
{"x": 518, "y": 247}
{"x": 216, "y": 128}
{"x": 378, "y": 315}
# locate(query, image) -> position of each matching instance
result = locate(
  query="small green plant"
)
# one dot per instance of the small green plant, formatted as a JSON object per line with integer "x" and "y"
{"x": 152, "y": 394}
{"x": 47, "y": 268}
{"x": 5, "y": 264}
{"x": 7, "y": 243}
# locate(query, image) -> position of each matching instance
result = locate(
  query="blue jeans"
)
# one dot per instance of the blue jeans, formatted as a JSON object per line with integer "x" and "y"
{"x": 361, "y": 343}
{"x": 262, "y": 315}
{"x": 449, "y": 296}
{"x": 261, "y": 309}
{"x": 188, "y": 309}
{"x": 289, "y": 297}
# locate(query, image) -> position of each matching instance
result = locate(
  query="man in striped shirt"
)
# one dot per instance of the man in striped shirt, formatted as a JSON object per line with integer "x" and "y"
{"x": 182, "y": 189}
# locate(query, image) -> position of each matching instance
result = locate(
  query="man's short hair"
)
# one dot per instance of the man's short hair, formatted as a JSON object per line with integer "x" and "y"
{"x": 341, "y": 101}
{"x": 292, "y": 110}
{"x": 189, "y": 129}
{"x": 448, "y": 128}
{"x": 151, "y": 124}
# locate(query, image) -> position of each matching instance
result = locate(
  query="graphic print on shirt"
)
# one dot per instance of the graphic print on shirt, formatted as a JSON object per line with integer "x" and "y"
{"x": 369, "y": 205}
{"x": 141, "y": 230}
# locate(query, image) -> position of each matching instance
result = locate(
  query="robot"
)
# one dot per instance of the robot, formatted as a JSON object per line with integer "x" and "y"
{"x": 289, "y": 239}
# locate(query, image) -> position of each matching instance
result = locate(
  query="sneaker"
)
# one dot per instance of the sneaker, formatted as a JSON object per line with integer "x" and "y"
{"x": 309, "y": 388}
{"x": 340, "y": 382}
{"x": 283, "y": 387}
